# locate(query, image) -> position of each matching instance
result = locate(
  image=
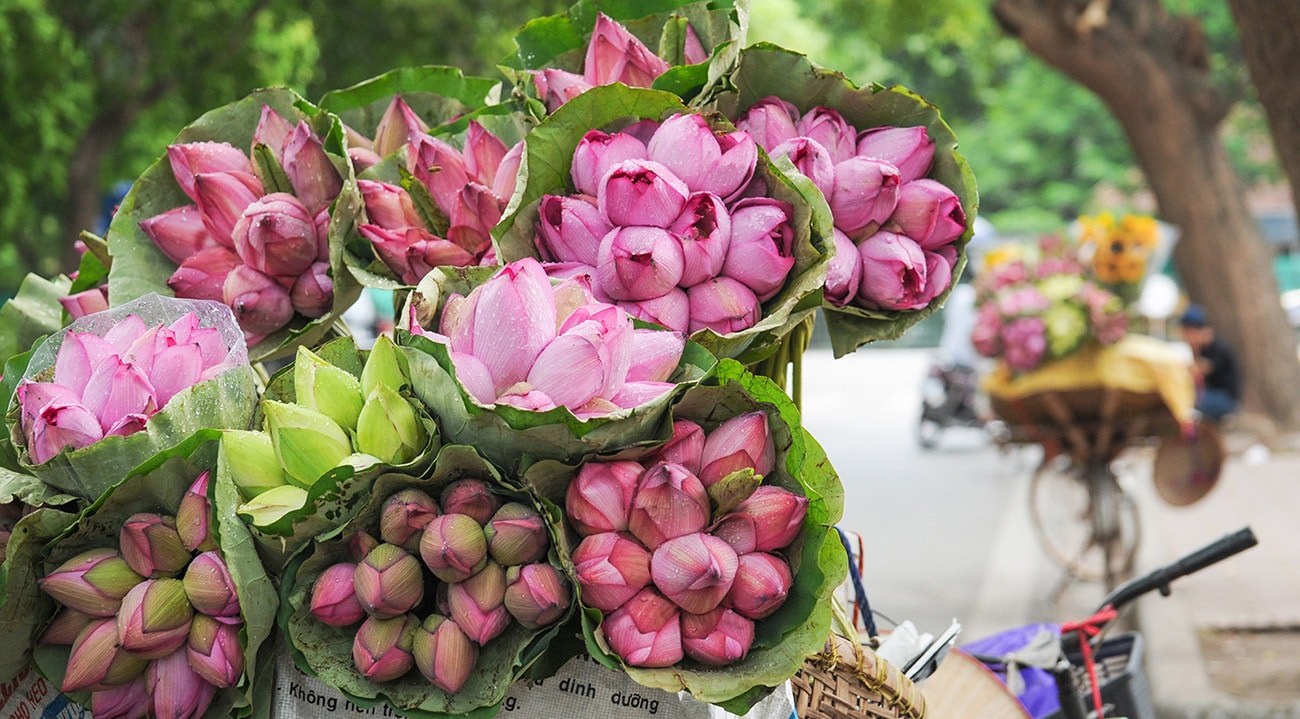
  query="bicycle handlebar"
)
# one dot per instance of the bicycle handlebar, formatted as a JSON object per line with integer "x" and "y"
{"x": 1159, "y": 579}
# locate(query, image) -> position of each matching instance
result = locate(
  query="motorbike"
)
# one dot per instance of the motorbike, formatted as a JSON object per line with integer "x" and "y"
{"x": 949, "y": 398}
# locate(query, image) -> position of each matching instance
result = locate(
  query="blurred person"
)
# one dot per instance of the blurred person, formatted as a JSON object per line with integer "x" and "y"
{"x": 1214, "y": 366}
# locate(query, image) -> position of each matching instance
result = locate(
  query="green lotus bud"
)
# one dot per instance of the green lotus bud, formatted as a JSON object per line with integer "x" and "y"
{"x": 98, "y": 660}
{"x": 386, "y": 365}
{"x": 443, "y": 653}
{"x": 268, "y": 507}
{"x": 155, "y": 618}
{"x": 389, "y": 581}
{"x": 93, "y": 582}
{"x": 152, "y": 546}
{"x": 251, "y": 462}
{"x": 516, "y": 535}
{"x": 388, "y": 427}
{"x": 307, "y": 443}
{"x": 330, "y": 390}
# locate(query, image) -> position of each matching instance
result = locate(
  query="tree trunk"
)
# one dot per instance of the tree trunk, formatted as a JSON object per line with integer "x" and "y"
{"x": 1152, "y": 71}
{"x": 1271, "y": 46}
{"x": 84, "y": 169}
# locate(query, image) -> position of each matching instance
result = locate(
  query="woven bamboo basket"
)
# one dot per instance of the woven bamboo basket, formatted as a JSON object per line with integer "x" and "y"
{"x": 848, "y": 681}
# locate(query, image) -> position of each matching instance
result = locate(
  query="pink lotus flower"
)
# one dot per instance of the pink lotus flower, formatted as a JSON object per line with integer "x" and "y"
{"x": 381, "y": 649}
{"x": 830, "y": 130}
{"x": 669, "y": 502}
{"x": 536, "y": 595}
{"x": 312, "y": 175}
{"x": 398, "y": 126}
{"x": 613, "y": 55}
{"x": 180, "y": 233}
{"x": 155, "y": 618}
{"x": 641, "y": 193}
{"x": 202, "y": 275}
{"x": 704, "y": 232}
{"x": 209, "y": 586}
{"x": 893, "y": 273}
{"x": 811, "y": 160}
{"x": 177, "y": 690}
{"x": 412, "y": 252}
{"x": 222, "y": 198}
{"x": 695, "y": 571}
{"x": 771, "y": 121}
{"x": 126, "y": 701}
{"x": 214, "y": 651}
{"x": 98, "y": 660}
{"x": 671, "y": 310}
{"x": 844, "y": 274}
{"x": 646, "y": 631}
{"x": 389, "y": 581}
{"x": 478, "y": 604}
{"x": 261, "y": 304}
{"x": 569, "y": 229}
{"x": 611, "y": 568}
{"x": 760, "y": 255}
{"x": 556, "y": 87}
{"x": 388, "y": 205}
{"x": 92, "y": 582}
{"x": 724, "y": 305}
{"x": 334, "y": 598}
{"x": 404, "y": 516}
{"x": 717, "y": 638}
{"x": 865, "y": 195}
{"x": 276, "y": 235}
{"x": 190, "y": 159}
{"x": 312, "y": 293}
{"x": 470, "y": 497}
{"x": 599, "y": 497}
{"x": 639, "y": 263}
{"x": 720, "y": 165}
{"x": 444, "y": 654}
{"x": 740, "y": 443}
{"x": 516, "y": 535}
{"x": 910, "y": 149}
{"x": 599, "y": 152}
{"x": 152, "y": 547}
{"x": 453, "y": 547}
{"x": 768, "y": 521}
{"x": 685, "y": 447}
{"x": 194, "y": 516}
{"x": 762, "y": 583}
{"x": 929, "y": 213}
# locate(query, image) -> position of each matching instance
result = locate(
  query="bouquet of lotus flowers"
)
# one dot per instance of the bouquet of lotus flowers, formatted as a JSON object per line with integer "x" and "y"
{"x": 1033, "y": 310}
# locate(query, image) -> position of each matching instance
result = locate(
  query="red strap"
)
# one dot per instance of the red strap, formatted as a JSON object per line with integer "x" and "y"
{"x": 1086, "y": 629}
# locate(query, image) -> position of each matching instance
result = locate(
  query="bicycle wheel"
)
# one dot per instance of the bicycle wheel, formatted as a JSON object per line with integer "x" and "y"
{"x": 1089, "y": 528}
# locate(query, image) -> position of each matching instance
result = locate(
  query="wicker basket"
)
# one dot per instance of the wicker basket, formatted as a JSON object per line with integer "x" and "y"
{"x": 848, "y": 681}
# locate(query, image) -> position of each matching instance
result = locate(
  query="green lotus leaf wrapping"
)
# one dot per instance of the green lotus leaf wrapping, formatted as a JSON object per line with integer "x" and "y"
{"x": 800, "y": 627}
{"x": 549, "y": 156}
{"x": 24, "y": 608}
{"x": 326, "y": 652}
{"x": 139, "y": 267}
{"x": 764, "y": 70}
{"x": 158, "y": 486}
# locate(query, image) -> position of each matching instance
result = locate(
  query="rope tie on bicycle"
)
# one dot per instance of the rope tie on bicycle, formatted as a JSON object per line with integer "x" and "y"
{"x": 1086, "y": 629}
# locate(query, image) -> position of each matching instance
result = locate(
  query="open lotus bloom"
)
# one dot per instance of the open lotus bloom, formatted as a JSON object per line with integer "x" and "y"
{"x": 518, "y": 340}
{"x": 110, "y": 371}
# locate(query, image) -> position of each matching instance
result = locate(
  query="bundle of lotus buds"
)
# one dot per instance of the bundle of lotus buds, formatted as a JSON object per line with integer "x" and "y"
{"x": 155, "y": 623}
{"x": 487, "y": 561}
{"x": 681, "y": 550}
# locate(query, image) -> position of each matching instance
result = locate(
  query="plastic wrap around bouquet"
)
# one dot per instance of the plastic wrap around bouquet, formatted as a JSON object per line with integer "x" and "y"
{"x": 251, "y": 207}
{"x": 151, "y": 600}
{"x": 117, "y": 387}
{"x": 439, "y": 594}
{"x": 706, "y": 564}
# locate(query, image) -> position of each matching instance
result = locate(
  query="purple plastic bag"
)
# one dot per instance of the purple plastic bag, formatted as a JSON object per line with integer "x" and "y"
{"x": 1039, "y": 695}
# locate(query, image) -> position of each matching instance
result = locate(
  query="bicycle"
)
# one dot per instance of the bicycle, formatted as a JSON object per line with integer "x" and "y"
{"x": 1088, "y": 670}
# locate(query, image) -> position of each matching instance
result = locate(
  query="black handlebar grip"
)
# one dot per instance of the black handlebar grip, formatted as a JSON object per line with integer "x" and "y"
{"x": 1238, "y": 541}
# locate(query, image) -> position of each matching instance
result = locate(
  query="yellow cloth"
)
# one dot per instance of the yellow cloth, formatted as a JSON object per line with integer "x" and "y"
{"x": 1136, "y": 363}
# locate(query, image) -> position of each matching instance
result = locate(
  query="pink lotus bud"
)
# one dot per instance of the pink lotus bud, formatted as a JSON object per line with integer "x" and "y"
{"x": 389, "y": 581}
{"x": 261, "y": 304}
{"x": 616, "y": 55}
{"x": 453, "y": 547}
{"x": 322, "y": 222}
{"x": 938, "y": 271}
{"x": 312, "y": 174}
{"x": 685, "y": 447}
{"x": 209, "y": 587}
{"x": 382, "y": 647}
{"x": 440, "y": 167}
{"x": 865, "y": 194}
{"x": 127, "y": 701}
{"x": 53, "y": 419}
{"x": 65, "y": 627}
{"x": 98, "y": 661}
{"x": 360, "y": 544}
{"x": 404, "y": 517}
{"x": 641, "y": 192}
{"x": 444, "y": 654}
{"x": 669, "y": 502}
{"x": 222, "y": 198}
{"x": 776, "y": 516}
{"x": 194, "y": 517}
{"x": 516, "y": 535}
{"x": 478, "y": 604}
{"x": 569, "y": 229}
{"x": 655, "y": 355}
{"x": 152, "y": 546}
{"x": 180, "y": 233}
{"x": 599, "y": 496}
{"x": 929, "y": 213}
{"x": 597, "y": 153}
{"x": 811, "y": 160}
{"x": 277, "y": 235}
{"x": 413, "y": 251}
{"x": 759, "y": 255}
{"x": 397, "y": 127}
{"x": 704, "y": 228}
{"x": 724, "y": 305}
{"x": 388, "y": 206}
{"x": 155, "y": 618}
{"x": 639, "y": 263}
{"x": 202, "y": 276}
{"x": 829, "y": 128}
{"x": 484, "y": 153}
{"x": 272, "y": 130}
{"x": 474, "y": 212}
{"x": 194, "y": 158}
{"x": 717, "y": 638}
{"x": 214, "y": 652}
{"x": 686, "y": 145}
{"x": 910, "y": 149}
{"x": 556, "y": 87}
{"x": 671, "y": 310}
{"x": 507, "y": 175}
{"x": 646, "y": 631}
{"x": 536, "y": 595}
{"x": 695, "y": 571}
{"x": 93, "y": 582}
{"x": 177, "y": 691}
{"x": 470, "y": 497}
{"x": 312, "y": 294}
{"x": 611, "y": 568}
{"x": 893, "y": 273}
{"x": 762, "y": 583}
{"x": 86, "y": 302}
{"x": 770, "y": 121}
{"x": 334, "y": 597}
{"x": 693, "y": 52}
{"x": 740, "y": 443}
{"x": 844, "y": 274}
